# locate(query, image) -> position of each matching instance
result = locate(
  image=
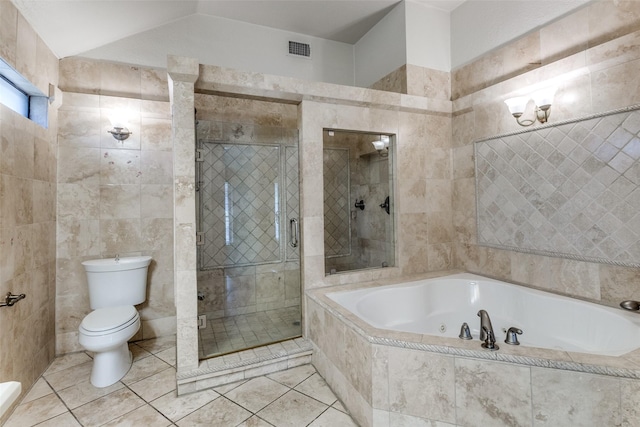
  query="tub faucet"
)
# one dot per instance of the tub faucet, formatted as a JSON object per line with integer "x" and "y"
{"x": 486, "y": 331}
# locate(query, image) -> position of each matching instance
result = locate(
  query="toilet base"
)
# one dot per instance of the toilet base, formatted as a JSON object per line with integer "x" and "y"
{"x": 110, "y": 366}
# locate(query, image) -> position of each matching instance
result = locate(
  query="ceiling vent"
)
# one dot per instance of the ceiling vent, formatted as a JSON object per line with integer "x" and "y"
{"x": 300, "y": 49}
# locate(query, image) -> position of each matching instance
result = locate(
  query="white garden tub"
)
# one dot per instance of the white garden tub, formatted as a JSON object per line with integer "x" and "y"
{"x": 440, "y": 305}
{"x": 9, "y": 392}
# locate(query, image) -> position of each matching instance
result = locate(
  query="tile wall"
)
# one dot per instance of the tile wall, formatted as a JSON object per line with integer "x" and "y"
{"x": 415, "y": 80}
{"x": 598, "y": 66}
{"x": 27, "y": 210}
{"x": 113, "y": 197}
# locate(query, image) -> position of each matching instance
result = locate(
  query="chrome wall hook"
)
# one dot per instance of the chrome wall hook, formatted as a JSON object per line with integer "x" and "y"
{"x": 10, "y": 299}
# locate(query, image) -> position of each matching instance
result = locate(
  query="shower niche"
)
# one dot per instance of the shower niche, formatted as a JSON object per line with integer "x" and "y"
{"x": 358, "y": 200}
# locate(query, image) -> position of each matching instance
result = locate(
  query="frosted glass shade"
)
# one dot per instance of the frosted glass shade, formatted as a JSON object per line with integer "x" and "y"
{"x": 517, "y": 105}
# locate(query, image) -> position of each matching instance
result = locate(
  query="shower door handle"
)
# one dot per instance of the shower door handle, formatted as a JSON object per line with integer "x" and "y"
{"x": 294, "y": 230}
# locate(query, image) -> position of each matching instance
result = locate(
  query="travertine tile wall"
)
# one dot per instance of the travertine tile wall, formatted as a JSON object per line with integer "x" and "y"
{"x": 113, "y": 197}
{"x": 27, "y": 210}
{"x": 414, "y": 80}
{"x": 598, "y": 22}
{"x": 599, "y": 61}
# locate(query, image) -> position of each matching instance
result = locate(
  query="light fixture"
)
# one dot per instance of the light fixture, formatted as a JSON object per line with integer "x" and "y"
{"x": 382, "y": 145}
{"x": 542, "y": 99}
{"x": 119, "y": 123}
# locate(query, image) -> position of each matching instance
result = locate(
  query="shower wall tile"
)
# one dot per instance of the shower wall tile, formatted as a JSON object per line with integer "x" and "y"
{"x": 107, "y": 204}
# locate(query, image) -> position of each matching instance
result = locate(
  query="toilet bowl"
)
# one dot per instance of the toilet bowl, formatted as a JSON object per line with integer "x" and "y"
{"x": 115, "y": 286}
{"x": 105, "y": 332}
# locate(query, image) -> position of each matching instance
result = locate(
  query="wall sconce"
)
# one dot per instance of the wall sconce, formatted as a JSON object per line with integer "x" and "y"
{"x": 382, "y": 145}
{"x": 119, "y": 123}
{"x": 542, "y": 100}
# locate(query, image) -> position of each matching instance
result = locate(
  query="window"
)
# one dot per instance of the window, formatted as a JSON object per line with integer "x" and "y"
{"x": 13, "y": 97}
{"x": 20, "y": 95}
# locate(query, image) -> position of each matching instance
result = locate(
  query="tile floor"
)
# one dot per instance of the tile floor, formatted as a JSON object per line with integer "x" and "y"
{"x": 63, "y": 397}
{"x": 234, "y": 333}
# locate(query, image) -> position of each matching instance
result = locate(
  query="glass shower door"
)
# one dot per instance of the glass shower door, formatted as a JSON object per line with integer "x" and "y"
{"x": 249, "y": 269}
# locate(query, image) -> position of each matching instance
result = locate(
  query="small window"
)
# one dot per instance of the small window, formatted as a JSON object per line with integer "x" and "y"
{"x": 13, "y": 97}
{"x": 23, "y": 97}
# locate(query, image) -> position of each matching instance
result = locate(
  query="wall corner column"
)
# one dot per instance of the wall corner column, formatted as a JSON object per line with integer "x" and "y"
{"x": 183, "y": 73}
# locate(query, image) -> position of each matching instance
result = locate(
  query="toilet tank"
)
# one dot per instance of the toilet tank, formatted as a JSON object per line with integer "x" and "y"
{"x": 117, "y": 281}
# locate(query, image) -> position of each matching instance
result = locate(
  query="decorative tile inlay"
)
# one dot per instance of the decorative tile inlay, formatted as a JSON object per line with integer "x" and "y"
{"x": 570, "y": 190}
{"x": 337, "y": 220}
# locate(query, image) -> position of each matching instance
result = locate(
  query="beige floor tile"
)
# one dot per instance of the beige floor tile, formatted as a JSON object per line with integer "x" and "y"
{"x": 84, "y": 392}
{"x": 168, "y": 355}
{"x": 176, "y": 407}
{"x": 107, "y": 408}
{"x": 340, "y": 407}
{"x": 156, "y": 385}
{"x": 257, "y": 393}
{"x": 60, "y": 380}
{"x": 67, "y": 361}
{"x": 220, "y": 412}
{"x": 223, "y": 389}
{"x": 256, "y": 421}
{"x": 36, "y": 411}
{"x": 138, "y": 352}
{"x": 159, "y": 344}
{"x": 39, "y": 389}
{"x": 333, "y": 418}
{"x": 143, "y": 416}
{"x": 64, "y": 420}
{"x": 144, "y": 368}
{"x": 294, "y": 409}
{"x": 316, "y": 387}
{"x": 294, "y": 376}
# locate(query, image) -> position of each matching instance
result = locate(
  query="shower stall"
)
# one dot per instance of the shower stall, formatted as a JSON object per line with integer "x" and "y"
{"x": 248, "y": 236}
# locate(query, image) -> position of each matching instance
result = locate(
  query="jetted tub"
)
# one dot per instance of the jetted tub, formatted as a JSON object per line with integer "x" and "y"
{"x": 440, "y": 305}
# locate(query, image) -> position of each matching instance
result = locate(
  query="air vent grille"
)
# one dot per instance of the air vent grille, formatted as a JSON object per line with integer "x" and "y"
{"x": 300, "y": 49}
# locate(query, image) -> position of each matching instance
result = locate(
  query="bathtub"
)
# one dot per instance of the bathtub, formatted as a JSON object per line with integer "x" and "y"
{"x": 440, "y": 305}
{"x": 9, "y": 393}
{"x": 391, "y": 353}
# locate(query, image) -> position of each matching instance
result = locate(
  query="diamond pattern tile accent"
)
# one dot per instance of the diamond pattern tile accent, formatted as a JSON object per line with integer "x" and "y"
{"x": 337, "y": 219}
{"x": 571, "y": 190}
{"x": 240, "y": 209}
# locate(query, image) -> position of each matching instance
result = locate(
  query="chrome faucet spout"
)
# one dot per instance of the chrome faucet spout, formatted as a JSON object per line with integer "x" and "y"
{"x": 485, "y": 324}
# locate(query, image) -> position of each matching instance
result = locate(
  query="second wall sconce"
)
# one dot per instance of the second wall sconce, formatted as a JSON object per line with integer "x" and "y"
{"x": 119, "y": 123}
{"x": 382, "y": 145}
{"x": 542, "y": 100}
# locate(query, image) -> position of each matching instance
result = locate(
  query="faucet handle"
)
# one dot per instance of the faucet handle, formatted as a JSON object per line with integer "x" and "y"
{"x": 512, "y": 335}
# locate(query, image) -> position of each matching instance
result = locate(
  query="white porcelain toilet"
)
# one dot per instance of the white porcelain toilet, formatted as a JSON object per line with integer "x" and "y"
{"x": 115, "y": 286}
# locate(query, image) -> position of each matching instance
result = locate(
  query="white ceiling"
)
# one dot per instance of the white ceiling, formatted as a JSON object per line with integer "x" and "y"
{"x": 71, "y": 27}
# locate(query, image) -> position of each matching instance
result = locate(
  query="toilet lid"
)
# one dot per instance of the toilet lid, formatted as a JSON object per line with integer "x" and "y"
{"x": 103, "y": 319}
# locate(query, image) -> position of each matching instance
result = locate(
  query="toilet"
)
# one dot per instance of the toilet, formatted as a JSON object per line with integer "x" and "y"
{"x": 115, "y": 286}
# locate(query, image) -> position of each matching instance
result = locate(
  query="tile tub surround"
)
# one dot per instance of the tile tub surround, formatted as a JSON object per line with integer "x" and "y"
{"x": 386, "y": 378}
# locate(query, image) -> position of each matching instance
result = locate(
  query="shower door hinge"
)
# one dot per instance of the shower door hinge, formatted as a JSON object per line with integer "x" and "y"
{"x": 199, "y": 155}
{"x": 202, "y": 321}
{"x": 199, "y": 238}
